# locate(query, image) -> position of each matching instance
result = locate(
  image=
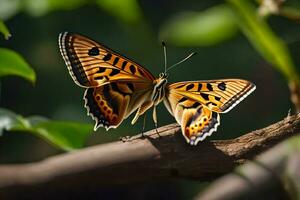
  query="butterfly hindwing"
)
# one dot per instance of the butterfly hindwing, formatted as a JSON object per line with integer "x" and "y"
{"x": 111, "y": 103}
{"x": 92, "y": 64}
{"x": 197, "y": 121}
{"x": 196, "y": 105}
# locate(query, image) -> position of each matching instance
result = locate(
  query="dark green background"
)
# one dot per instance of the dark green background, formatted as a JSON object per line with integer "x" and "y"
{"x": 55, "y": 95}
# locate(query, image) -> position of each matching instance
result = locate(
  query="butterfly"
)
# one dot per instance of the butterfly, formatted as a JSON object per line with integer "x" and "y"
{"x": 116, "y": 86}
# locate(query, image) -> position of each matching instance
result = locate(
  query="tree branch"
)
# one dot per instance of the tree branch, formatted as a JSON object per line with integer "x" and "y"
{"x": 273, "y": 175}
{"x": 142, "y": 159}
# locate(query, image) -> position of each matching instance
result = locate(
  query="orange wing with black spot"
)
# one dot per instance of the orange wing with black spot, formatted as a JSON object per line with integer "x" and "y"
{"x": 92, "y": 64}
{"x": 196, "y": 104}
{"x": 116, "y": 86}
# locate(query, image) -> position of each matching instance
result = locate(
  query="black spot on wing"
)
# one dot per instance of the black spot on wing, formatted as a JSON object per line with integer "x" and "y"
{"x": 222, "y": 86}
{"x": 114, "y": 72}
{"x": 132, "y": 69}
{"x": 217, "y": 98}
{"x": 209, "y": 87}
{"x": 204, "y": 96}
{"x": 116, "y": 60}
{"x": 196, "y": 104}
{"x": 182, "y": 99}
{"x": 107, "y": 57}
{"x": 124, "y": 64}
{"x": 93, "y": 51}
{"x": 101, "y": 69}
{"x": 199, "y": 86}
{"x": 189, "y": 86}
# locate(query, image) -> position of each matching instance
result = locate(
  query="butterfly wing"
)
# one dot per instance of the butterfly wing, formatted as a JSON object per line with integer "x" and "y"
{"x": 111, "y": 103}
{"x": 196, "y": 104}
{"x": 116, "y": 86}
{"x": 92, "y": 64}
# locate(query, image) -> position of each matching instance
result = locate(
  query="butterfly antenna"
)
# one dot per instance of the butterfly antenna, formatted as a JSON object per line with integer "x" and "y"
{"x": 165, "y": 55}
{"x": 183, "y": 60}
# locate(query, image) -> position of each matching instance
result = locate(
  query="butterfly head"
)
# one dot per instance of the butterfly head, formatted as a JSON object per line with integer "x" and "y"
{"x": 159, "y": 88}
{"x": 163, "y": 75}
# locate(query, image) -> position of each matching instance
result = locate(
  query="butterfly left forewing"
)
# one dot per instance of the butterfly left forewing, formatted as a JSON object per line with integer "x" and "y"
{"x": 92, "y": 64}
{"x": 196, "y": 104}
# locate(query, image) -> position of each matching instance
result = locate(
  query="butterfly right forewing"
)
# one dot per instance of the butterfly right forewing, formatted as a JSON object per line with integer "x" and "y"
{"x": 219, "y": 95}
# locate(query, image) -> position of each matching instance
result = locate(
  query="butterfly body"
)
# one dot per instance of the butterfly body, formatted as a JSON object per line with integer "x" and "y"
{"x": 115, "y": 87}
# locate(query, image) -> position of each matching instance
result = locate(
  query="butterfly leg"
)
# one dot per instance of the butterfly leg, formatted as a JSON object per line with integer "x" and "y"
{"x": 144, "y": 125}
{"x": 144, "y": 107}
{"x": 155, "y": 120}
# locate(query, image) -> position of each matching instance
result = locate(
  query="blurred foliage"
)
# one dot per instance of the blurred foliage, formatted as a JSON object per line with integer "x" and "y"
{"x": 9, "y": 8}
{"x": 264, "y": 40}
{"x": 11, "y": 63}
{"x": 126, "y": 10}
{"x": 200, "y": 28}
{"x": 4, "y": 30}
{"x": 204, "y": 28}
{"x": 291, "y": 13}
{"x": 65, "y": 135}
{"x": 59, "y": 133}
{"x": 289, "y": 9}
{"x": 39, "y": 8}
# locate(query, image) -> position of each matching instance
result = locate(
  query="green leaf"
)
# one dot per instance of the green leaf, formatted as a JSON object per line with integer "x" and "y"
{"x": 65, "y": 135}
{"x": 11, "y": 63}
{"x": 9, "y": 120}
{"x": 264, "y": 40}
{"x": 39, "y": 8}
{"x": 126, "y": 10}
{"x": 205, "y": 28}
{"x": 4, "y": 30}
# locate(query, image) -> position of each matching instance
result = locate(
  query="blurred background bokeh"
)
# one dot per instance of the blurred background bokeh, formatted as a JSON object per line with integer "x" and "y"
{"x": 136, "y": 29}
